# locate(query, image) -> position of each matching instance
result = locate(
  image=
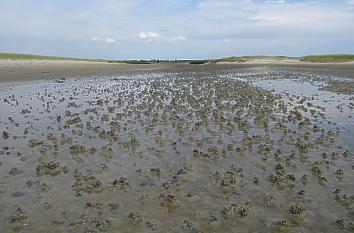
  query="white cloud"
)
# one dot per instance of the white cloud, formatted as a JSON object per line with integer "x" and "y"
{"x": 108, "y": 40}
{"x": 179, "y": 38}
{"x": 149, "y": 36}
{"x": 155, "y": 36}
{"x": 275, "y": 2}
{"x": 194, "y": 29}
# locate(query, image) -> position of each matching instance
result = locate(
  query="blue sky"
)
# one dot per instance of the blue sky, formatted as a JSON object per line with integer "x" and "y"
{"x": 131, "y": 29}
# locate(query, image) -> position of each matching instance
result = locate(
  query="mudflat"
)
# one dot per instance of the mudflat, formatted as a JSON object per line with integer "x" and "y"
{"x": 176, "y": 148}
{"x": 27, "y": 70}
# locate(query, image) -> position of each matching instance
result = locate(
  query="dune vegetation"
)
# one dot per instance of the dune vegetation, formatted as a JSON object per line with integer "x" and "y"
{"x": 329, "y": 58}
{"x": 19, "y": 56}
{"x": 325, "y": 58}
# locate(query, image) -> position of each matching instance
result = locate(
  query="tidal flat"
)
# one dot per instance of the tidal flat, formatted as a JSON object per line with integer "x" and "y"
{"x": 231, "y": 150}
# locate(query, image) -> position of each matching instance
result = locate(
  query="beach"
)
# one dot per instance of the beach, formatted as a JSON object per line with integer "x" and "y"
{"x": 101, "y": 147}
{"x": 27, "y": 70}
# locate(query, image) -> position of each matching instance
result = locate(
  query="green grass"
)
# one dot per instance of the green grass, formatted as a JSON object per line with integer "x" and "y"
{"x": 329, "y": 58}
{"x": 17, "y": 56}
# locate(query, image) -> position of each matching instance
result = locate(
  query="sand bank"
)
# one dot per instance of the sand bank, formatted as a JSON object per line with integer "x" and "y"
{"x": 27, "y": 70}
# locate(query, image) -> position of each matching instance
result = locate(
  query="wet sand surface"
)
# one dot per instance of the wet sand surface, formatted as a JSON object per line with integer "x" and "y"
{"x": 27, "y": 70}
{"x": 178, "y": 149}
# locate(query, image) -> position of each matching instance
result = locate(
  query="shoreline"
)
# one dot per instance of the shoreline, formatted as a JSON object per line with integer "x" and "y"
{"x": 30, "y": 70}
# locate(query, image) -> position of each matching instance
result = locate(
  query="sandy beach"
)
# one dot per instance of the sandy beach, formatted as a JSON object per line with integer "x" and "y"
{"x": 27, "y": 70}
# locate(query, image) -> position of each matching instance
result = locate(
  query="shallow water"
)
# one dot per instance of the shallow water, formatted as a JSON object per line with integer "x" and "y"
{"x": 226, "y": 151}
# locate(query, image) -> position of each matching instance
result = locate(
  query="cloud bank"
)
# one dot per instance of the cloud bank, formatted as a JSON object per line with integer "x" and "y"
{"x": 171, "y": 28}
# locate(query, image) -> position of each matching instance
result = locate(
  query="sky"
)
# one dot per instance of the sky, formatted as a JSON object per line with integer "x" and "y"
{"x": 168, "y": 29}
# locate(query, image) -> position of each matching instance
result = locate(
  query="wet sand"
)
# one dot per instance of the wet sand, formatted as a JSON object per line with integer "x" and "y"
{"x": 16, "y": 71}
{"x": 176, "y": 149}
{"x": 27, "y": 70}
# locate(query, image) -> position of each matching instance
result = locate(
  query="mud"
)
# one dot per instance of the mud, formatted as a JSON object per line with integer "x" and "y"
{"x": 262, "y": 150}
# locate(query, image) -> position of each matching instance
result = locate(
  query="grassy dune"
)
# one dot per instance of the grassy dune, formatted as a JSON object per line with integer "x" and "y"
{"x": 329, "y": 58}
{"x": 252, "y": 58}
{"x": 18, "y": 56}
{"x": 326, "y": 58}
